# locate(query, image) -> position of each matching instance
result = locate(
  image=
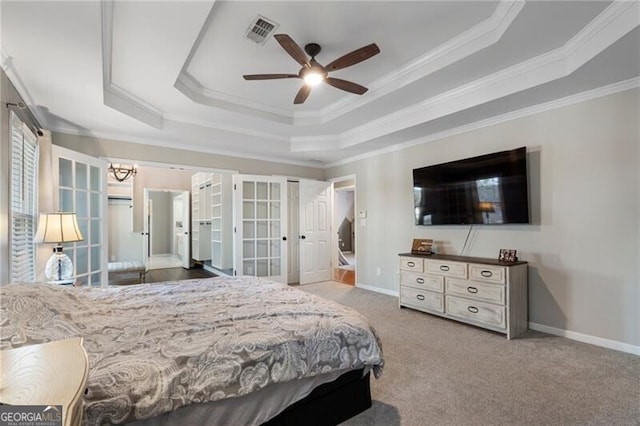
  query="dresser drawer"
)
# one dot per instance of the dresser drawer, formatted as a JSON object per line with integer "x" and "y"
{"x": 486, "y": 273}
{"x": 428, "y": 282}
{"x": 449, "y": 269}
{"x": 421, "y": 299}
{"x": 494, "y": 293}
{"x": 480, "y": 312}
{"x": 411, "y": 264}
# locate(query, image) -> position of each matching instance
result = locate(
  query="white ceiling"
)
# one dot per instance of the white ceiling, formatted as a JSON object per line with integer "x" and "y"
{"x": 170, "y": 72}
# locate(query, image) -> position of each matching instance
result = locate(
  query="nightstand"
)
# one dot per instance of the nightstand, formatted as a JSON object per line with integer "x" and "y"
{"x": 53, "y": 373}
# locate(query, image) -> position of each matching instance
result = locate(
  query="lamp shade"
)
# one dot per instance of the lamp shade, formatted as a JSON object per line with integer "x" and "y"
{"x": 58, "y": 228}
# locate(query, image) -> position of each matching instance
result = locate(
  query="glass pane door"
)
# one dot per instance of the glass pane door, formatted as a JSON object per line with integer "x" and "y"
{"x": 261, "y": 248}
{"x": 81, "y": 189}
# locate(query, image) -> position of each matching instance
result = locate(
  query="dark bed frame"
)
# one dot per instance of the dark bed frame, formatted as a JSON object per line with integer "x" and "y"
{"x": 330, "y": 403}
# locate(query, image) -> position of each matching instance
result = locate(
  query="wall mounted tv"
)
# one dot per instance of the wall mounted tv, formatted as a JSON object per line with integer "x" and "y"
{"x": 489, "y": 189}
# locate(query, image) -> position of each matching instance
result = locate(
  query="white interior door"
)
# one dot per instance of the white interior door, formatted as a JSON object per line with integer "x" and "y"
{"x": 82, "y": 188}
{"x": 260, "y": 226}
{"x": 315, "y": 231}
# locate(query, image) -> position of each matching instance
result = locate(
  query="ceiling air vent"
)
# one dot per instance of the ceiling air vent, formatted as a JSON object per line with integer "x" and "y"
{"x": 260, "y": 29}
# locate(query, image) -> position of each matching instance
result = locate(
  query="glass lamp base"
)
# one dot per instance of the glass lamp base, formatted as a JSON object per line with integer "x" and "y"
{"x": 59, "y": 266}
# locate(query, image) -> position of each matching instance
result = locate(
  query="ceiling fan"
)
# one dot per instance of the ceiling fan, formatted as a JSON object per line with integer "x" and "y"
{"x": 313, "y": 73}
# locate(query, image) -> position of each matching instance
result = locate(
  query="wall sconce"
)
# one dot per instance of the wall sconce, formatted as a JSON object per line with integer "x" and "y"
{"x": 122, "y": 172}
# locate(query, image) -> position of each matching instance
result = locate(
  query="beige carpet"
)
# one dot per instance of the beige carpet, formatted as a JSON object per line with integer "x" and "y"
{"x": 441, "y": 372}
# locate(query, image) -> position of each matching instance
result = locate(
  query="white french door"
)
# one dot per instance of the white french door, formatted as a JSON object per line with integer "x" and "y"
{"x": 315, "y": 231}
{"x": 260, "y": 222}
{"x": 81, "y": 183}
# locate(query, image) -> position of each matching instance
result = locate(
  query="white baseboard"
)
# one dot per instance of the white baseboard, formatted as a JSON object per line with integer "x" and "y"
{"x": 585, "y": 338}
{"x": 378, "y": 290}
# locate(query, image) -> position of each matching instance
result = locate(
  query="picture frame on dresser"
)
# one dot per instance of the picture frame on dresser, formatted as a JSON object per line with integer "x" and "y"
{"x": 421, "y": 246}
{"x": 508, "y": 255}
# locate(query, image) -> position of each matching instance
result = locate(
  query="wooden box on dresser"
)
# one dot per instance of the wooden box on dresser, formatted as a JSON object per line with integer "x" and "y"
{"x": 484, "y": 292}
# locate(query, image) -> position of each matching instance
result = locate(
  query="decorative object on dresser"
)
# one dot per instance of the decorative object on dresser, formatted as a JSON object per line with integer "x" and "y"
{"x": 421, "y": 246}
{"x": 508, "y": 255}
{"x": 478, "y": 291}
{"x": 58, "y": 228}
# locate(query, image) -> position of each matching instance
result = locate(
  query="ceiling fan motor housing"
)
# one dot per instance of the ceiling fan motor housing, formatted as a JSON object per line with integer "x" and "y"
{"x": 312, "y": 49}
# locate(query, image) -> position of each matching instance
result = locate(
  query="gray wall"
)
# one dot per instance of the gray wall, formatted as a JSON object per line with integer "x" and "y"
{"x": 583, "y": 247}
{"x": 161, "y": 222}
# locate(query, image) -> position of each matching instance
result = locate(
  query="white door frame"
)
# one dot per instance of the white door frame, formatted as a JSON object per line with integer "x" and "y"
{"x": 148, "y": 213}
{"x": 334, "y": 234}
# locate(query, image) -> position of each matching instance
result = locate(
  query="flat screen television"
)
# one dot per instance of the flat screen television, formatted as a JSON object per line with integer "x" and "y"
{"x": 490, "y": 189}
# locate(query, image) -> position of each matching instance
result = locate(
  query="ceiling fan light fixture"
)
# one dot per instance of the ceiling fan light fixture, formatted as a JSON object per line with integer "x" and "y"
{"x": 313, "y": 78}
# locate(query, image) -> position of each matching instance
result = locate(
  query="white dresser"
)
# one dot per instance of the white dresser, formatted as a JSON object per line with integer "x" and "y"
{"x": 483, "y": 292}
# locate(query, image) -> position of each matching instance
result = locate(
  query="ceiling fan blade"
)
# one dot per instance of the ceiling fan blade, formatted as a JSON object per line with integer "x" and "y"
{"x": 303, "y": 94}
{"x": 354, "y": 57}
{"x": 292, "y": 49}
{"x": 348, "y": 86}
{"x": 268, "y": 76}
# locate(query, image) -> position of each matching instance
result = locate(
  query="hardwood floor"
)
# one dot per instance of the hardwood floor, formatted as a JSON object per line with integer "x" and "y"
{"x": 158, "y": 275}
{"x": 176, "y": 274}
{"x": 345, "y": 275}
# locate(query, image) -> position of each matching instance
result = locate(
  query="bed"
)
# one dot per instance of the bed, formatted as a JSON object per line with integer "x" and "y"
{"x": 236, "y": 351}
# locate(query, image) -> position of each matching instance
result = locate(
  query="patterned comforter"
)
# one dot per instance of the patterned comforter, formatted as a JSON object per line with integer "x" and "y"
{"x": 156, "y": 347}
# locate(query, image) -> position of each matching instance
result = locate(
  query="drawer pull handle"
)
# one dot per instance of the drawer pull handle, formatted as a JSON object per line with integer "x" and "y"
{"x": 444, "y": 268}
{"x": 486, "y": 274}
{"x": 420, "y": 280}
{"x": 472, "y": 309}
{"x": 472, "y": 290}
{"x": 411, "y": 264}
{"x": 420, "y": 297}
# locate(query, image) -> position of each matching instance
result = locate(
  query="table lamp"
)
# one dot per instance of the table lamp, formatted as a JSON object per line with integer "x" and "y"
{"x": 58, "y": 228}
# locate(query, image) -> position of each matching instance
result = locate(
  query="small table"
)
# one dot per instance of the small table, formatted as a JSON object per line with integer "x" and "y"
{"x": 53, "y": 373}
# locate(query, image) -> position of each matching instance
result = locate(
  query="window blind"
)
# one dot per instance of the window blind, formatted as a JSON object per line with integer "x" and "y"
{"x": 23, "y": 212}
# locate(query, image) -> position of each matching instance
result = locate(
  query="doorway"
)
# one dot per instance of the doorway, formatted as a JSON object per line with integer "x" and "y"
{"x": 344, "y": 241}
{"x": 167, "y": 218}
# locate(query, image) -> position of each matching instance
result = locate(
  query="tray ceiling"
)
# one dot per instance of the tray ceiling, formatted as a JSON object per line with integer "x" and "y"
{"x": 170, "y": 72}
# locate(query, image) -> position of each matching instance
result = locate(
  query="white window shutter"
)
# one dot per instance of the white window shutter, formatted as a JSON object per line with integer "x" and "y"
{"x": 24, "y": 183}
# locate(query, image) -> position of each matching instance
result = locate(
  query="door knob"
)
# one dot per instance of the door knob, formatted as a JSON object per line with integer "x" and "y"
{"x": 302, "y": 237}
{"x": 284, "y": 238}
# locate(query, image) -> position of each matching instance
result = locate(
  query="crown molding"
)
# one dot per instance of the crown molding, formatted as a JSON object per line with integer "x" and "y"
{"x": 479, "y": 37}
{"x": 115, "y": 96}
{"x": 227, "y": 128}
{"x": 192, "y": 89}
{"x": 6, "y": 62}
{"x": 180, "y": 144}
{"x": 620, "y": 18}
{"x": 588, "y": 95}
